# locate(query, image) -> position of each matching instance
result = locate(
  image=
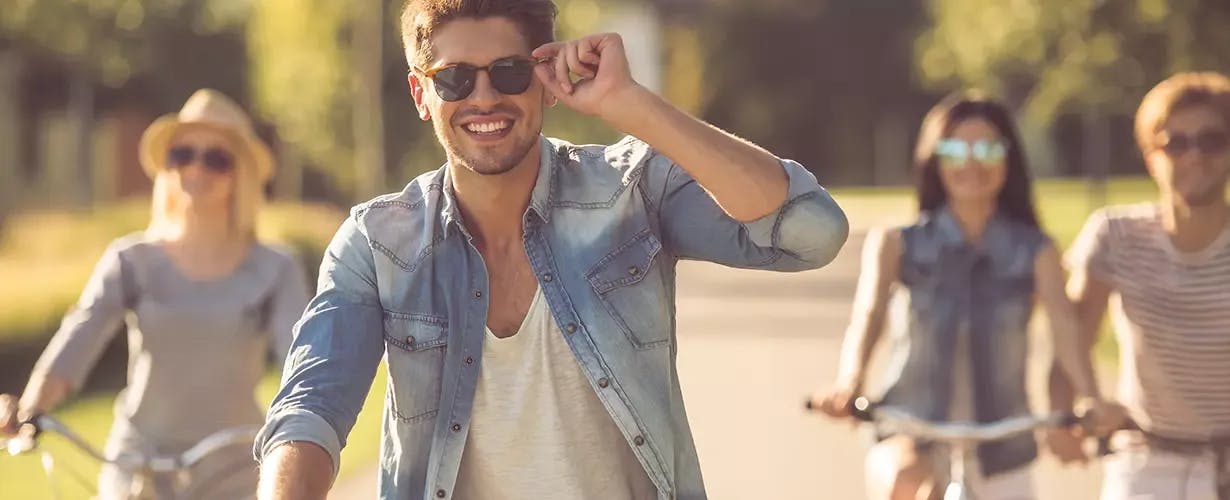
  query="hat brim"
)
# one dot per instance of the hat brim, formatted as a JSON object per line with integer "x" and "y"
{"x": 156, "y": 140}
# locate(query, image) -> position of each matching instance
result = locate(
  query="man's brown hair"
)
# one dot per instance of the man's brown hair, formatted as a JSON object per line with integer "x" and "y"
{"x": 420, "y": 18}
{"x": 1180, "y": 91}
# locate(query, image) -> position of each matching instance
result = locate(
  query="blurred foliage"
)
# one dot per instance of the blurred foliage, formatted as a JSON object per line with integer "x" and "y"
{"x": 301, "y": 78}
{"x": 113, "y": 42}
{"x": 812, "y": 81}
{"x": 1047, "y": 57}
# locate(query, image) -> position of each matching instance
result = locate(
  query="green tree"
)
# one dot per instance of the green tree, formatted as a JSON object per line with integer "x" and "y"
{"x": 1050, "y": 56}
{"x": 825, "y": 83}
{"x": 112, "y": 42}
{"x": 301, "y": 73}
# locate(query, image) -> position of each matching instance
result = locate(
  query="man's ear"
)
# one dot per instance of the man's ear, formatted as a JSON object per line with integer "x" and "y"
{"x": 548, "y": 99}
{"x": 418, "y": 92}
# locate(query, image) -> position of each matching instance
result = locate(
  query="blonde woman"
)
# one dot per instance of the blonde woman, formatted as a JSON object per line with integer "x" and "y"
{"x": 205, "y": 303}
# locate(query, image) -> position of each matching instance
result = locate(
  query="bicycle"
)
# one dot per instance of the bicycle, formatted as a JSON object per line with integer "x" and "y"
{"x": 154, "y": 477}
{"x": 961, "y": 437}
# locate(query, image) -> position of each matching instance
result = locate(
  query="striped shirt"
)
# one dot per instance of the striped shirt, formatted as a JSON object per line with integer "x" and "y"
{"x": 1171, "y": 316}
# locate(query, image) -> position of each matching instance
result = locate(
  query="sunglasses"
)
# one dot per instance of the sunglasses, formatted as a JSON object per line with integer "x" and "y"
{"x": 956, "y": 153}
{"x": 216, "y": 160}
{"x": 1209, "y": 142}
{"x": 509, "y": 75}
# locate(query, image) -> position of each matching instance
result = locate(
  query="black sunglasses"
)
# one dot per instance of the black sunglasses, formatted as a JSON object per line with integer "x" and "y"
{"x": 509, "y": 75}
{"x": 215, "y": 159}
{"x": 1209, "y": 142}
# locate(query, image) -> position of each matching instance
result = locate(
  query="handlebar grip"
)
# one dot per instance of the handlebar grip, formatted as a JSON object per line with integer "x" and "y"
{"x": 1069, "y": 419}
{"x": 862, "y": 409}
{"x": 33, "y": 423}
{"x": 1104, "y": 446}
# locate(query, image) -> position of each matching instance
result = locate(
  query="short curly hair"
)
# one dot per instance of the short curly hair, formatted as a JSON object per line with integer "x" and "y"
{"x": 1180, "y": 91}
{"x": 420, "y": 18}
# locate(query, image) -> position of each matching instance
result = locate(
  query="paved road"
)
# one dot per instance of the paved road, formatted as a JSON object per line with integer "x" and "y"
{"x": 751, "y": 345}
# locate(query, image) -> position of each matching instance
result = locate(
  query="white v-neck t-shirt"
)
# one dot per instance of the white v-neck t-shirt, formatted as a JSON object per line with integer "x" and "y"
{"x": 538, "y": 429}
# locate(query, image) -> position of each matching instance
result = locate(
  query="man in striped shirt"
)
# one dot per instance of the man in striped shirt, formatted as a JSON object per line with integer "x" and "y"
{"x": 1164, "y": 270}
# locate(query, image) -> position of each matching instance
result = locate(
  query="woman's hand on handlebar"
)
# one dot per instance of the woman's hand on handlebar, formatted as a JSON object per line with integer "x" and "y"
{"x": 836, "y": 402}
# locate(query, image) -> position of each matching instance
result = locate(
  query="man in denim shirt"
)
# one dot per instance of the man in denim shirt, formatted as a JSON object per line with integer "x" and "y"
{"x": 477, "y": 276}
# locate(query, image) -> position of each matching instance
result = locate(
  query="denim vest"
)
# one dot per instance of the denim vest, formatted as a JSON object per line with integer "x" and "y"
{"x": 986, "y": 290}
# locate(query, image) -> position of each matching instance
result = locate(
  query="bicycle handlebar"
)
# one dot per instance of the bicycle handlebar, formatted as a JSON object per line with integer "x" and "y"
{"x": 901, "y": 421}
{"x": 154, "y": 463}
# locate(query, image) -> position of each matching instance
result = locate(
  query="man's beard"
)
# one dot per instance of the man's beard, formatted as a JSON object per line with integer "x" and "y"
{"x": 488, "y": 164}
{"x": 1212, "y": 193}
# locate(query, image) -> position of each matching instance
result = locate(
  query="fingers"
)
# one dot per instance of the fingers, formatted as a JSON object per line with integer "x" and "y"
{"x": 548, "y": 71}
{"x": 561, "y": 74}
{"x": 546, "y": 75}
{"x": 588, "y": 53}
{"x": 836, "y": 406}
{"x": 547, "y": 50}
{"x": 8, "y": 414}
{"x": 1065, "y": 445}
{"x": 571, "y": 53}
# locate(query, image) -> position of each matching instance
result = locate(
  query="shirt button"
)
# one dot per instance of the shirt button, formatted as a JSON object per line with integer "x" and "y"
{"x": 603, "y": 382}
{"x": 571, "y": 328}
{"x": 456, "y": 427}
{"x": 634, "y": 270}
{"x": 469, "y": 360}
{"x": 440, "y": 493}
{"x": 478, "y": 294}
{"x": 547, "y": 277}
{"x": 639, "y": 440}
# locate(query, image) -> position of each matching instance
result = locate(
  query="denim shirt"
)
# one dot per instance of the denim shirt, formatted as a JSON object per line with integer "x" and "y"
{"x": 986, "y": 291}
{"x": 603, "y": 232}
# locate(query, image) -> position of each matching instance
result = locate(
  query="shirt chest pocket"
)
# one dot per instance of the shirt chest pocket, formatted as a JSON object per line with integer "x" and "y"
{"x": 415, "y": 344}
{"x": 630, "y": 286}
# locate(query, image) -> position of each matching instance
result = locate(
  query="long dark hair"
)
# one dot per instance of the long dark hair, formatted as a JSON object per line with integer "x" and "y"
{"x": 1015, "y": 197}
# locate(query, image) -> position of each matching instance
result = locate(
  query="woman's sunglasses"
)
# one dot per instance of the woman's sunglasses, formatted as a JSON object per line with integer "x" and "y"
{"x": 217, "y": 160}
{"x": 957, "y": 153}
{"x": 1209, "y": 142}
{"x": 509, "y": 75}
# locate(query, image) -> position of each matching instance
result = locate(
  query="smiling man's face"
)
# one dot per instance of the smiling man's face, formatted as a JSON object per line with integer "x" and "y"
{"x": 487, "y": 132}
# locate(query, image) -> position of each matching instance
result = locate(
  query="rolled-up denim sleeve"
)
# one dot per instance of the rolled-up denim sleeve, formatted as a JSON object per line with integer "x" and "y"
{"x": 805, "y": 232}
{"x": 337, "y": 347}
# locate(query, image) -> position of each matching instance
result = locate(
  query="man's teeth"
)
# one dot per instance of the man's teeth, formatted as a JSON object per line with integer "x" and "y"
{"x": 488, "y": 127}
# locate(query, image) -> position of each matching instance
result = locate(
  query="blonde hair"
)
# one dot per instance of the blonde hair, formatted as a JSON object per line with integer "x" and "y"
{"x": 167, "y": 211}
{"x": 1180, "y": 91}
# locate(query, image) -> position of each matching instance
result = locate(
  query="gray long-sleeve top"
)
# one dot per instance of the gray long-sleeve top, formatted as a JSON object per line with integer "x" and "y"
{"x": 196, "y": 349}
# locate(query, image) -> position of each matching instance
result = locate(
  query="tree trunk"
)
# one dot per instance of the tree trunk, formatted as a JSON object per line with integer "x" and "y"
{"x": 1096, "y": 156}
{"x": 368, "y": 125}
{"x": 81, "y": 115}
{"x": 10, "y": 132}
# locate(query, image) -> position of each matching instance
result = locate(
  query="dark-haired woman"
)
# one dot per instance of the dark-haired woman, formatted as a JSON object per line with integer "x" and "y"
{"x": 958, "y": 287}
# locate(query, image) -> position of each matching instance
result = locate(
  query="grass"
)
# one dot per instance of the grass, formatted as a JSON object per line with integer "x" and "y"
{"x": 54, "y": 252}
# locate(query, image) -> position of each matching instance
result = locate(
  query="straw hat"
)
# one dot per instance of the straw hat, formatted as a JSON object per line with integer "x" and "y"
{"x": 210, "y": 108}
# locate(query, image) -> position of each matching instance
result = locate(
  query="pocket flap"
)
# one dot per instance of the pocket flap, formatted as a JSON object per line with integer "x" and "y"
{"x": 413, "y": 331}
{"x": 626, "y": 265}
